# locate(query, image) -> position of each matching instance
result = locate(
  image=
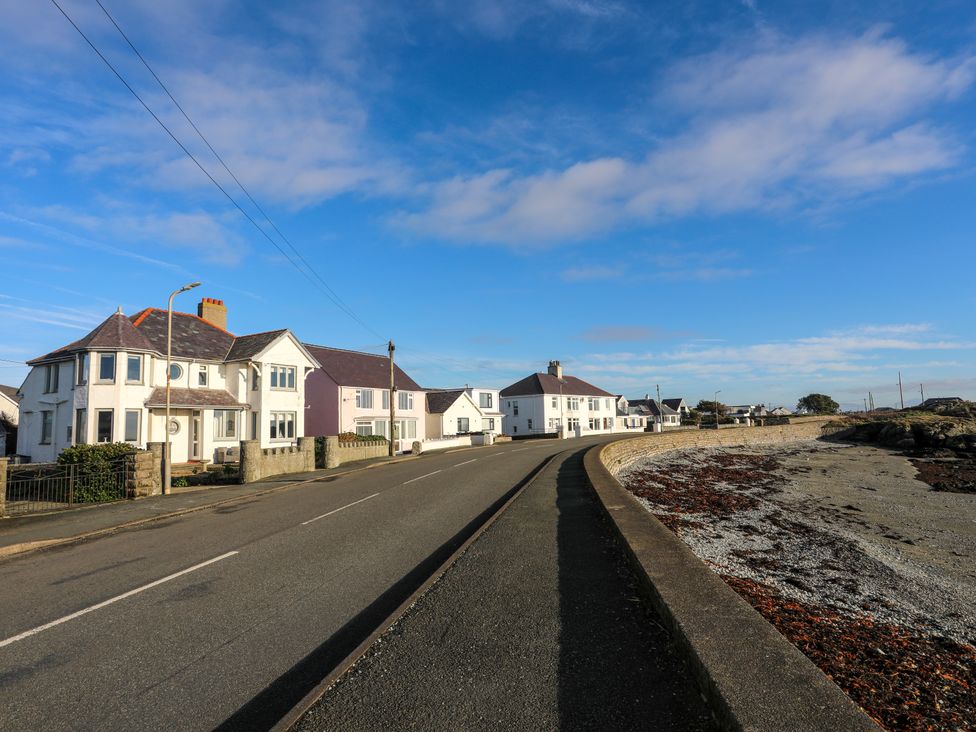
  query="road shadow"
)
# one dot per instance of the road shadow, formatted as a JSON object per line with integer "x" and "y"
{"x": 618, "y": 669}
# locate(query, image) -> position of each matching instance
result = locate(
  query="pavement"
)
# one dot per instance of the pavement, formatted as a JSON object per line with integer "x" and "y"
{"x": 228, "y": 615}
{"x": 538, "y": 625}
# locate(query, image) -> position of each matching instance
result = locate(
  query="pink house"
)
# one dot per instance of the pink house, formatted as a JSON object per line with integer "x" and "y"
{"x": 350, "y": 392}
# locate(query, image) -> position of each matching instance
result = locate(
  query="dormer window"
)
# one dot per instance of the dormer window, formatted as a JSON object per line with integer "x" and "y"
{"x": 202, "y": 375}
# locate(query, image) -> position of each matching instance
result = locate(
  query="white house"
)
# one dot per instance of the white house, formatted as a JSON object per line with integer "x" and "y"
{"x": 452, "y": 412}
{"x": 655, "y": 412}
{"x": 9, "y": 417}
{"x": 110, "y": 386}
{"x": 350, "y": 392}
{"x": 551, "y": 403}
{"x": 678, "y": 405}
{"x": 489, "y": 403}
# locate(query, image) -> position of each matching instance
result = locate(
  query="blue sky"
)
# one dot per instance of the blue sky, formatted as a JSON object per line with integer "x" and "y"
{"x": 743, "y": 196}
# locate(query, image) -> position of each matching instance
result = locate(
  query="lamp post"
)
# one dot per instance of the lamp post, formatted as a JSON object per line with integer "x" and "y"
{"x": 716, "y": 407}
{"x": 168, "y": 461}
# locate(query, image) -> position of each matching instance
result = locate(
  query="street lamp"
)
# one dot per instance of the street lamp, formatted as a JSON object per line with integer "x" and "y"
{"x": 168, "y": 462}
{"x": 716, "y": 407}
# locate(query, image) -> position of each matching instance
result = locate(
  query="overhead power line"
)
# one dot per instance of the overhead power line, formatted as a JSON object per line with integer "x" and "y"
{"x": 317, "y": 280}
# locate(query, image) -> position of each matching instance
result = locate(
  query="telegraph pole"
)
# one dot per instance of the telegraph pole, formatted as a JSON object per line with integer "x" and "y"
{"x": 391, "y": 348}
{"x": 660, "y": 406}
{"x": 921, "y": 388}
{"x": 865, "y": 404}
{"x": 900, "y": 392}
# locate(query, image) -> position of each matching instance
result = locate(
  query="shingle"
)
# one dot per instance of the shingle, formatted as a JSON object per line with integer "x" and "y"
{"x": 354, "y": 368}
{"x": 248, "y": 346}
{"x": 193, "y": 337}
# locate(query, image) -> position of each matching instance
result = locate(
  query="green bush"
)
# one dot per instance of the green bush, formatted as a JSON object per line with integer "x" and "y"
{"x": 99, "y": 474}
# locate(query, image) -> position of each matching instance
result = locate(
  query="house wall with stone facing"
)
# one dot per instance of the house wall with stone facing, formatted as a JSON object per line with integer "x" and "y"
{"x": 618, "y": 455}
{"x": 338, "y": 453}
{"x": 258, "y": 462}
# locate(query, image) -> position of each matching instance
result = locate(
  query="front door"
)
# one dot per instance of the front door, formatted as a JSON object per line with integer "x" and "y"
{"x": 195, "y": 425}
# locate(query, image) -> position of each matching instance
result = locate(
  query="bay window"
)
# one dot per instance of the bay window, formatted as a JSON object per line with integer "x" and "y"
{"x": 106, "y": 367}
{"x": 133, "y": 370}
{"x": 103, "y": 433}
{"x": 225, "y": 424}
{"x": 133, "y": 417}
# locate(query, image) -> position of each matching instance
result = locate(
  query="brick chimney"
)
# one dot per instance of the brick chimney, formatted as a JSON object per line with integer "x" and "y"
{"x": 555, "y": 369}
{"x": 213, "y": 311}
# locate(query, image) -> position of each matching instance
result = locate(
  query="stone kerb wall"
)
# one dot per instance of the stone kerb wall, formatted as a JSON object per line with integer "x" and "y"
{"x": 337, "y": 453}
{"x": 618, "y": 455}
{"x": 258, "y": 462}
{"x": 145, "y": 472}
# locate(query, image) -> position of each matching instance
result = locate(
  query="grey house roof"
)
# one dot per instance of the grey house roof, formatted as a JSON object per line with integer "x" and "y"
{"x": 9, "y": 391}
{"x": 549, "y": 384}
{"x": 249, "y": 346}
{"x": 439, "y": 402}
{"x": 193, "y": 337}
{"x": 651, "y": 406}
{"x": 116, "y": 331}
{"x": 674, "y": 404}
{"x": 354, "y": 368}
{"x": 195, "y": 398}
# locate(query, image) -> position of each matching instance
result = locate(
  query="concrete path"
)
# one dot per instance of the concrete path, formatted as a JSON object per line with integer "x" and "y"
{"x": 536, "y": 627}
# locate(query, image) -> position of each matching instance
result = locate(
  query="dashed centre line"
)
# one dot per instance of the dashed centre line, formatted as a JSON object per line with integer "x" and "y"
{"x": 421, "y": 477}
{"x": 343, "y": 508}
{"x": 466, "y": 462}
{"x": 105, "y": 603}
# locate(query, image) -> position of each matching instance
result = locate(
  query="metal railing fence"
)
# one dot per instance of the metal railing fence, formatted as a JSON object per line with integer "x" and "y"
{"x": 36, "y": 488}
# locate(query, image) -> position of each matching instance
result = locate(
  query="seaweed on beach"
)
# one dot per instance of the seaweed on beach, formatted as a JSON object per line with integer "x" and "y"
{"x": 904, "y": 680}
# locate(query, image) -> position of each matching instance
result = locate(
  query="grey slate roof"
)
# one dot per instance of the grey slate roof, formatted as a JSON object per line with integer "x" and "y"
{"x": 673, "y": 403}
{"x": 193, "y": 337}
{"x": 249, "y": 346}
{"x": 9, "y": 391}
{"x": 116, "y": 331}
{"x": 439, "y": 402}
{"x": 651, "y": 406}
{"x": 354, "y": 368}
{"x": 549, "y": 384}
{"x": 193, "y": 398}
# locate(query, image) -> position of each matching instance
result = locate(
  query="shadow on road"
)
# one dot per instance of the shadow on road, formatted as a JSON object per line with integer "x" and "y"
{"x": 617, "y": 667}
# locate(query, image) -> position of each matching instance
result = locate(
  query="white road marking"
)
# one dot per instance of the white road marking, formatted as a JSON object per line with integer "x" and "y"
{"x": 421, "y": 477}
{"x": 466, "y": 462}
{"x": 105, "y": 603}
{"x": 520, "y": 449}
{"x": 343, "y": 508}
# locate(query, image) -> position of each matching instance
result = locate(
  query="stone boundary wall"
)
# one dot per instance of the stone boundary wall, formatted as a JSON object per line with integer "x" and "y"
{"x": 258, "y": 462}
{"x": 751, "y": 676}
{"x": 618, "y": 455}
{"x": 338, "y": 453}
{"x": 3, "y": 485}
{"x": 145, "y": 472}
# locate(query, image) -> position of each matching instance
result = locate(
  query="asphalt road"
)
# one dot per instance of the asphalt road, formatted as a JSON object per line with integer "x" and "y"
{"x": 226, "y": 617}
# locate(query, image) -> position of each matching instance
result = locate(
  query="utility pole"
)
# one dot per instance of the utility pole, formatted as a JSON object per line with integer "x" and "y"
{"x": 871, "y": 401}
{"x": 921, "y": 388}
{"x": 900, "y": 392}
{"x": 716, "y": 407}
{"x": 391, "y": 348}
{"x": 660, "y": 406}
{"x": 865, "y": 404}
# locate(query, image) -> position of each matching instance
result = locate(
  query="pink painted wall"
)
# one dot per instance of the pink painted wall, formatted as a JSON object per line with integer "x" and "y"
{"x": 322, "y": 405}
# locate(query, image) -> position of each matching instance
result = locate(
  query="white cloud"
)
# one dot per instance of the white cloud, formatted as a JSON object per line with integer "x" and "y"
{"x": 789, "y": 122}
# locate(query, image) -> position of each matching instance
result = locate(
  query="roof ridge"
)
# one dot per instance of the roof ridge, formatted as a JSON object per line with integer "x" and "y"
{"x": 145, "y": 313}
{"x": 344, "y": 350}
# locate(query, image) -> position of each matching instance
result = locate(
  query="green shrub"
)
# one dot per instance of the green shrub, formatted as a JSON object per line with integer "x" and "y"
{"x": 98, "y": 471}
{"x": 180, "y": 483}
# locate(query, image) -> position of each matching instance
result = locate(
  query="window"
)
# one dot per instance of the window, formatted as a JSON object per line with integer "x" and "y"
{"x": 255, "y": 378}
{"x": 488, "y": 424}
{"x": 51, "y": 372}
{"x": 133, "y": 369}
{"x": 364, "y": 428}
{"x": 515, "y": 408}
{"x": 175, "y": 371}
{"x": 379, "y": 428}
{"x": 364, "y": 398}
{"x": 530, "y": 422}
{"x": 203, "y": 375}
{"x": 405, "y": 399}
{"x": 406, "y": 429}
{"x": 572, "y": 403}
{"x": 81, "y": 426}
{"x": 104, "y": 425}
{"x": 282, "y": 425}
{"x": 254, "y": 426}
{"x": 132, "y": 419}
{"x": 385, "y": 398}
{"x": 554, "y": 423}
{"x": 573, "y": 423}
{"x": 106, "y": 367}
{"x": 555, "y": 402}
{"x": 282, "y": 377}
{"x": 593, "y": 404}
{"x": 463, "y": 425}
{"x": 47, "y": 427}
{"x": 225, "y": 424}
{"x": 485, "y": 399}
{"x": 81, "y": 368}
{"x": 607, "y": 401}
{"x": 514, "y": 428}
